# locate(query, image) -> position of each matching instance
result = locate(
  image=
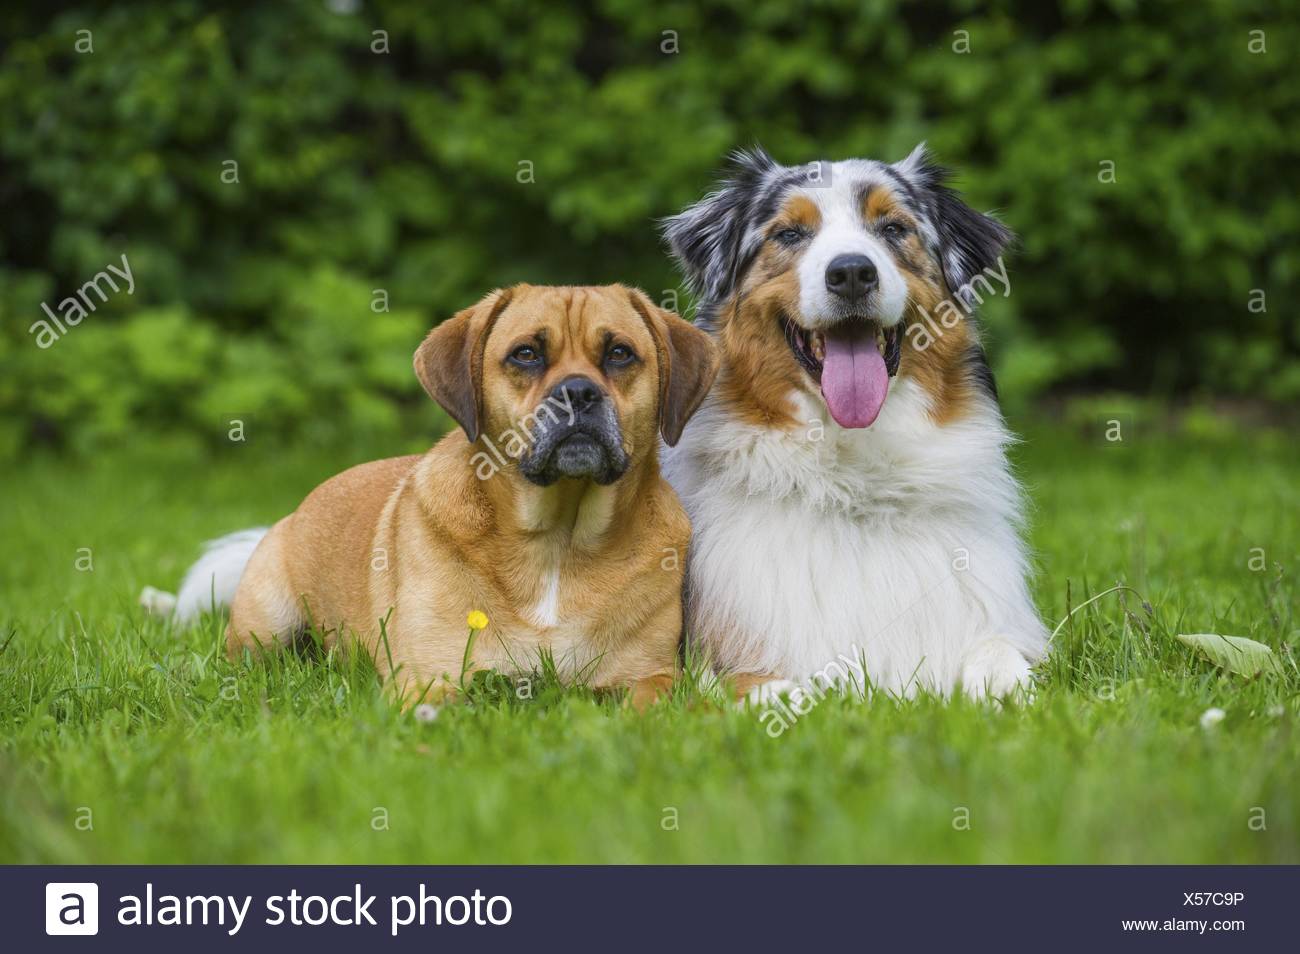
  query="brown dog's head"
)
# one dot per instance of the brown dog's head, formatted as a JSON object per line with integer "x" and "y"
{"x": 570, "y": 382}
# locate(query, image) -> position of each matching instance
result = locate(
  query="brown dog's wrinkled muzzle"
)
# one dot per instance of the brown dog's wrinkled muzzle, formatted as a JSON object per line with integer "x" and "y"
{"x": 575, "y": 433}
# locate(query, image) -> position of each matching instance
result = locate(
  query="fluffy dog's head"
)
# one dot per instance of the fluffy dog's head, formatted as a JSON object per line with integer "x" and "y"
{"x": 818, "y": 277}
{"x": 570, "y": 382}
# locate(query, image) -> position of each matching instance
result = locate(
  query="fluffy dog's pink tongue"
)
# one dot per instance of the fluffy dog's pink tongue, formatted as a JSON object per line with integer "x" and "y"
{"x": 854, "y": 379}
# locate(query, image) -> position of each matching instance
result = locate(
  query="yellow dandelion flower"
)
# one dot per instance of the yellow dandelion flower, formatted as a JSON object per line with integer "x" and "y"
{"x": 477, "y": 619}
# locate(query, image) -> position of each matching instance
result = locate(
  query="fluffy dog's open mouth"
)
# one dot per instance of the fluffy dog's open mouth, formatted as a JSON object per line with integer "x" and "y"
{"x": 852, "y": 361}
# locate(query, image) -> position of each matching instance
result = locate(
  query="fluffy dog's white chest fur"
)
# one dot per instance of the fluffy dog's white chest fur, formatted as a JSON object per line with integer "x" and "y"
{"x": 895, "y": 547}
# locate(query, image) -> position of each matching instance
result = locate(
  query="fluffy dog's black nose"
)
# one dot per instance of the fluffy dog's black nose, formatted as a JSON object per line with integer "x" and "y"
{"x": 851, "y": 276}
{"x": 582, "y": 394}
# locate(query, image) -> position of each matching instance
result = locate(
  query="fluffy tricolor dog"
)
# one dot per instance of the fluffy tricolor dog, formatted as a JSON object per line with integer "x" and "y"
{"x": 846, "y": 478}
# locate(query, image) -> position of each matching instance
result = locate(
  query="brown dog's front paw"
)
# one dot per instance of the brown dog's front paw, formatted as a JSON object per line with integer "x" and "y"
{"x": 756, "y": 687}
{"x": 646, "y": 692}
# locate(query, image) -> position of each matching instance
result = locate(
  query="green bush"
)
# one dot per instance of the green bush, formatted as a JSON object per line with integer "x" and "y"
{"x": 409, "y": 171}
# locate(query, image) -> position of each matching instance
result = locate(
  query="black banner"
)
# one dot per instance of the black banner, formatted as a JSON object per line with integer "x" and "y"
{"x": 642, "y": 908}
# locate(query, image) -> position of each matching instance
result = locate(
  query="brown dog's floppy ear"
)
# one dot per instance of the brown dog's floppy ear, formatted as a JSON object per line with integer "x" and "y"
{"x": 688, "y": 361}
{"x": 450, "y": 361}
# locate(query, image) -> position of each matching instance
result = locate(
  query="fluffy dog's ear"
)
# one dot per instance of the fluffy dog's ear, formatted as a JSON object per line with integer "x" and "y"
{"x": 688, "y": 362}
{"x": 711, "y": 239}
{"x": 449, "y": 363}
{"x": 969, "y": 241}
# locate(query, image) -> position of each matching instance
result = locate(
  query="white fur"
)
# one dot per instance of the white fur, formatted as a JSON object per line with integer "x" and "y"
{"x": 547, "y": 610}
{"x": 157, "y": 602}
{"x": 210, "y": 583}
{"x": 897, "y": 544}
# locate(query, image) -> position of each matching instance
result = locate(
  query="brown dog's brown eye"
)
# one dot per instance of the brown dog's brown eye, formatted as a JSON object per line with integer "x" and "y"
{"x": 526, "y": 356}
{"x": 894, "y": 230}
{"x": 620, "y": 356}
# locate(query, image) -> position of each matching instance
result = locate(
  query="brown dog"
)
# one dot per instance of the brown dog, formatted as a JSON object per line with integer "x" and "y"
{"x": 546, "y": 511}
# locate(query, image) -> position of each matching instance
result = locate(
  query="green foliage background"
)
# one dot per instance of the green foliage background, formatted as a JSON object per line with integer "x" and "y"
{"x": 399, "y": 170}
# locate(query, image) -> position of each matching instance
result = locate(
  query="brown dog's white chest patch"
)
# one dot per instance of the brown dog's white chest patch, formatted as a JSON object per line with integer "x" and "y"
{"x": 546, "y": 611}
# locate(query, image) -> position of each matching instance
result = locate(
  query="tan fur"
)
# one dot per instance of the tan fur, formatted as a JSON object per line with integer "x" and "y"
{"x": 938, "y": 368}
{"x": 797, "y": 210}
{"x": 419, "y": 542}
{"x": 758, "y": 367}
{"x": 742, "y": 683}
{"x": 881, "y": 203}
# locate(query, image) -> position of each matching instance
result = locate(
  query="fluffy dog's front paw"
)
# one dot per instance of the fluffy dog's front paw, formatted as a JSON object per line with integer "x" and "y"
{"x": 996, "y": 670}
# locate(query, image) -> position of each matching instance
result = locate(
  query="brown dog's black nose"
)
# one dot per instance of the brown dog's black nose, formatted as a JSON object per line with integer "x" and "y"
{"x": 577, "y": 392}
{"x": 851, "y": 276}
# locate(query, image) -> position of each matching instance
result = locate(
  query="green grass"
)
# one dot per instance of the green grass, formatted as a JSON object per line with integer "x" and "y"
{"x": 173, "y": 755}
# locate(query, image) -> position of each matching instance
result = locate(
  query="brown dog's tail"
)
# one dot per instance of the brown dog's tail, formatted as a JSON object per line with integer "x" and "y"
{"x": 210, "y": 583}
